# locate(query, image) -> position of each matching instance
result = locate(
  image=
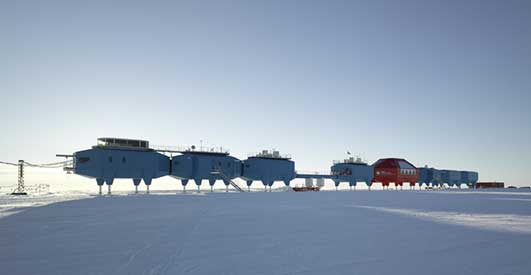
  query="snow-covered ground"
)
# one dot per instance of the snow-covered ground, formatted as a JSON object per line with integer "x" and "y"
{"x": 377, "y": 232}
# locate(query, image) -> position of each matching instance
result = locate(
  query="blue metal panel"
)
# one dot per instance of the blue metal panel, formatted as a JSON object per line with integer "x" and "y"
{"x": 455, "y": 177}
{"x": 473, "y": 177}
{"x": 451, "y": 177}
{"x": 436, "y": 177}
{"x": 108, "y": 164}
{"x": 352, "y": 173}
{"x": 464, "y": 177}
{"x": 268, "y": 170}
{"x": 432, "y": 176}
{"x": 182, "y": 166}
{"x": 425, "y": 175}
{"x": 445, "y": 176}
{"x": 202, "y": 166}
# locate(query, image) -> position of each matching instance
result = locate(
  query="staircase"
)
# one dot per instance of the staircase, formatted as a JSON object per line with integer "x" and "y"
{"x": 224, "y": 177}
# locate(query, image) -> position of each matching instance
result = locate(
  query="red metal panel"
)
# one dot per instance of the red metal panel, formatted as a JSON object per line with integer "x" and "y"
{"x": 389, "y": 170}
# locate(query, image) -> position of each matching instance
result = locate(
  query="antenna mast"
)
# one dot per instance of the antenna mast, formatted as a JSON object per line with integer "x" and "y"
{"x": 20, "y": 188}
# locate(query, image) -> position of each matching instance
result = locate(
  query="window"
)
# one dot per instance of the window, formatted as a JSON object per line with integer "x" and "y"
{"x": 121, "y": 142}
{"x": 83, "y": 159}
{"x": 133, "y": 143}
{"x": 176, "y": 162}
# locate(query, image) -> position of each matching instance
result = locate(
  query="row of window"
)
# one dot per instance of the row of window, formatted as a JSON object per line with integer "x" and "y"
{"x": 403, "y": 172}
{"x": 408, "y": 171}
{"x": 215, "y": 164}
{"x": 124, "y": 160}
{"x": 123, "y": 142}
{"x": 343, "y": 172}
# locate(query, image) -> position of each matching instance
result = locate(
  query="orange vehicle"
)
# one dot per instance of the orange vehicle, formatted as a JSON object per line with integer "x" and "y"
{"x": 306, "y": 188}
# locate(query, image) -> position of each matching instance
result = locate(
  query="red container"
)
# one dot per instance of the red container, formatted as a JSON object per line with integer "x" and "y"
{"x": 395, "y": 170}
{"x": 490, "y": 185}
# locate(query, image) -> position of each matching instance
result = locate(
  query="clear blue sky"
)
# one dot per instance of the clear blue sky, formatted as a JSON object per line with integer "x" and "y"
{"x": 442, "y": 83}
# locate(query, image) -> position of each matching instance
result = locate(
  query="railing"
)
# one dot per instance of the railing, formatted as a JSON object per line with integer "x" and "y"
{"x": 306, "y": 172}
{"x": 355, "y": 161}
{"x": 120, "y": 142}
{"x": 269, "y": 154}
{"x": 179, "y": 149}
{"x": 218, "y": 171}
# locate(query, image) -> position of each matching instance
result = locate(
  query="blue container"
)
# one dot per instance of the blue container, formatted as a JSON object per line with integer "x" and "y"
{"x": 268, "y": 169}
{"x": 352, "y": 171}
{"x": 425, "y": 175}
{"x": 199, "y": 166}
{"x": 107, "y": 164}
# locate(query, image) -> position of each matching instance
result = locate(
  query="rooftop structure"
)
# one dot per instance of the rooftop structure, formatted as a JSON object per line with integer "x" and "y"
{"x": 351, "y": 160}
{"x": 270, "y": 154}
{"x": 122, "y": 143}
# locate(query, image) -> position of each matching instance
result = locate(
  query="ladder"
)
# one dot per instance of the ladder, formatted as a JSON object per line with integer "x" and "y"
{"x": 217, "y": 171}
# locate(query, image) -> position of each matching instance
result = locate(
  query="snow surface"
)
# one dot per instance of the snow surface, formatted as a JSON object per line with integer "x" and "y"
{"x": 377, "y": 232}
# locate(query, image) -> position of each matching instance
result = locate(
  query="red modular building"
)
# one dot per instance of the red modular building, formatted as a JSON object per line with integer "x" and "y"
{"x": 395, "y": 170}
{"x": 490, "y": 185}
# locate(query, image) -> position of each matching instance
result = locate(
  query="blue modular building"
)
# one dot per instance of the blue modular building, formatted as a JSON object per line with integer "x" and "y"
{"x": 114, "y": 158}
{"x": 472, "y": 178}
{"x": 268, "y": 167}
{"x": 117, "y": 158}
{"x": 429, "y": 175}
{"x": 352, "y": 171}
{"x": 199, "y": 165}
{"x": 425, "y": 175}
{"x": 451, "y": 177}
